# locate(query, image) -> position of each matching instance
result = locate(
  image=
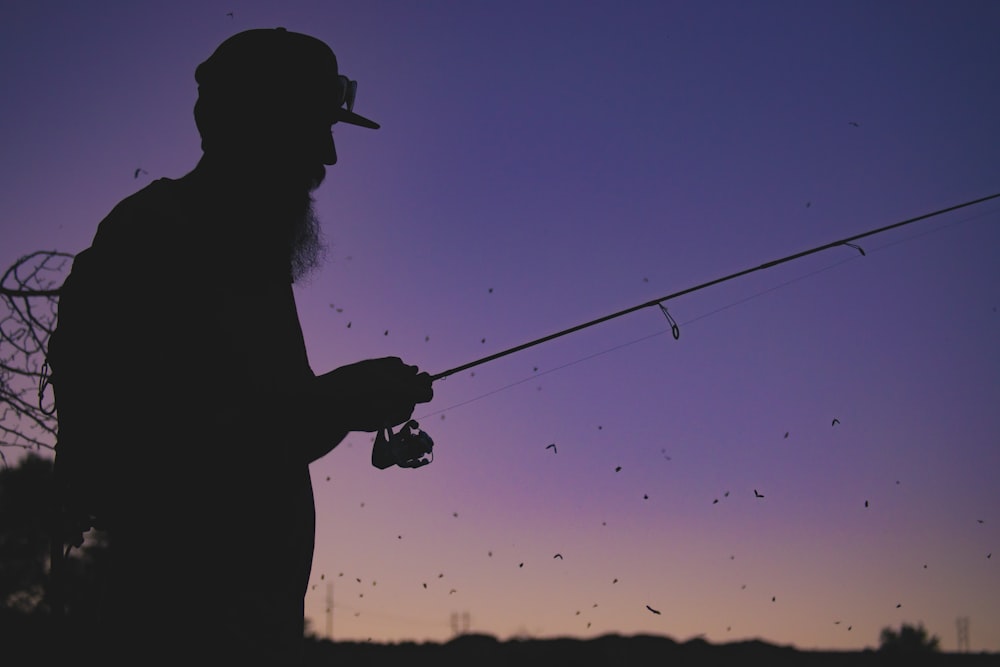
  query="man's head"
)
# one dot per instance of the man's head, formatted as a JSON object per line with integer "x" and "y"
{"x": 272, "y": 95}
{"x": 267, "y": 99}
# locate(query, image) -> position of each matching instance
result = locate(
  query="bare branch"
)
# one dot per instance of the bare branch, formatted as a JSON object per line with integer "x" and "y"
{"x": 29, "y": 291}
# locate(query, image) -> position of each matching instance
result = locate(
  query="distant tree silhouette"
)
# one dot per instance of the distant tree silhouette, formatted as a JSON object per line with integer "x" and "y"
{"x": 24, "y": 541}
{"x": 909, "y": 639}
{"x": 29, "y": 291}
{"x": 25, "y": 568}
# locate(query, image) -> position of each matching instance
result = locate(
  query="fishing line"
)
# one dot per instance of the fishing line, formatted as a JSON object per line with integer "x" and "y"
{"x": 674, "y": 329}
{"x": 848, "y": 242}
{"x": 703, "y": 316}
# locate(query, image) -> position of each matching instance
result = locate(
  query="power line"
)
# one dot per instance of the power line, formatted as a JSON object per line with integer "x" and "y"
{"x": 849, "y": 242}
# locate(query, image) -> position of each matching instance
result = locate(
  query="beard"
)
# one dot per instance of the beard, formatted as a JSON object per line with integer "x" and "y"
{"x": 284, "y": 230}
{"x": 306, "y": 248}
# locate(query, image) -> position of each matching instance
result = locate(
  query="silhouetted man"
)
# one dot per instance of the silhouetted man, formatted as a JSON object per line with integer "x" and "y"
{"x": 187, "y": 407}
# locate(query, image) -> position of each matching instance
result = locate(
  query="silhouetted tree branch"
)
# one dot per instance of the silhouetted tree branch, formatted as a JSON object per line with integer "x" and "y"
{"x": 29, "y": 291}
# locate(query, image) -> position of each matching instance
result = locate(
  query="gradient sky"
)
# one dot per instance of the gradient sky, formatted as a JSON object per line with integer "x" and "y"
{"x": 541, "y": 164}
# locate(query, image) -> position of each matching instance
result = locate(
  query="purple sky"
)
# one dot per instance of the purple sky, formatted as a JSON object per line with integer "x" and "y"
{"x": 541, "y": 164}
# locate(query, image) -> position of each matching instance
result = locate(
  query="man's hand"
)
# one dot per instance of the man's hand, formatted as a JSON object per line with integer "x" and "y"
{"x": 375, "y": 393}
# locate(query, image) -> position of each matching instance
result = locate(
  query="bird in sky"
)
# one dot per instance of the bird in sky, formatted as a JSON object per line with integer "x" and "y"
{"x": 834, "y": 422}
{"x": 653, "y": 610}
{"x": 854, "y": 123}
{"x": 559, "y": 556}
{"x": 757, "y": 494}
{"x": 138, "y": 171}
{"x": 553, "y": 448}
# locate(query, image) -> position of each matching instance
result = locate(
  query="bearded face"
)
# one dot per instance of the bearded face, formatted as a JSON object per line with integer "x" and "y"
{"x": 272, "y": 161}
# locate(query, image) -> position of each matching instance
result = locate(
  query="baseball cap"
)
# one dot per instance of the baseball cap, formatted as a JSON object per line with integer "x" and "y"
{"x": 269, "y": 63}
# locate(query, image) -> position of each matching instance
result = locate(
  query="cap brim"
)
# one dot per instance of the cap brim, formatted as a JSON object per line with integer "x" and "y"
{"x": 351, "y": 118}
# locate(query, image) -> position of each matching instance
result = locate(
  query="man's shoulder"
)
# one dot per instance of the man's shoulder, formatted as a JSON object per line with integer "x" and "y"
{"x": 143, "y": 214}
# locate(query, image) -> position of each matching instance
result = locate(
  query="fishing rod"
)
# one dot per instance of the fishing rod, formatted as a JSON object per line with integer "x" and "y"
{"x": 410, "y": 447}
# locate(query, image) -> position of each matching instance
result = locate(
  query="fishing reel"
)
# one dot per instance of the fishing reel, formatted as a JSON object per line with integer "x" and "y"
{"x": 409, "y": 448}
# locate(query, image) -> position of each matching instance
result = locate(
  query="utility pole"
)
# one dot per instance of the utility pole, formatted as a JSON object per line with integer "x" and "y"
{"x": 963, "y": 634}
{"x": 460, "y": 623}
{"x": 329, "y": 612}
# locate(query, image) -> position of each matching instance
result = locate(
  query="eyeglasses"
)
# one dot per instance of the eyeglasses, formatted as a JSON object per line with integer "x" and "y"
{"x": 348, "y": 91}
